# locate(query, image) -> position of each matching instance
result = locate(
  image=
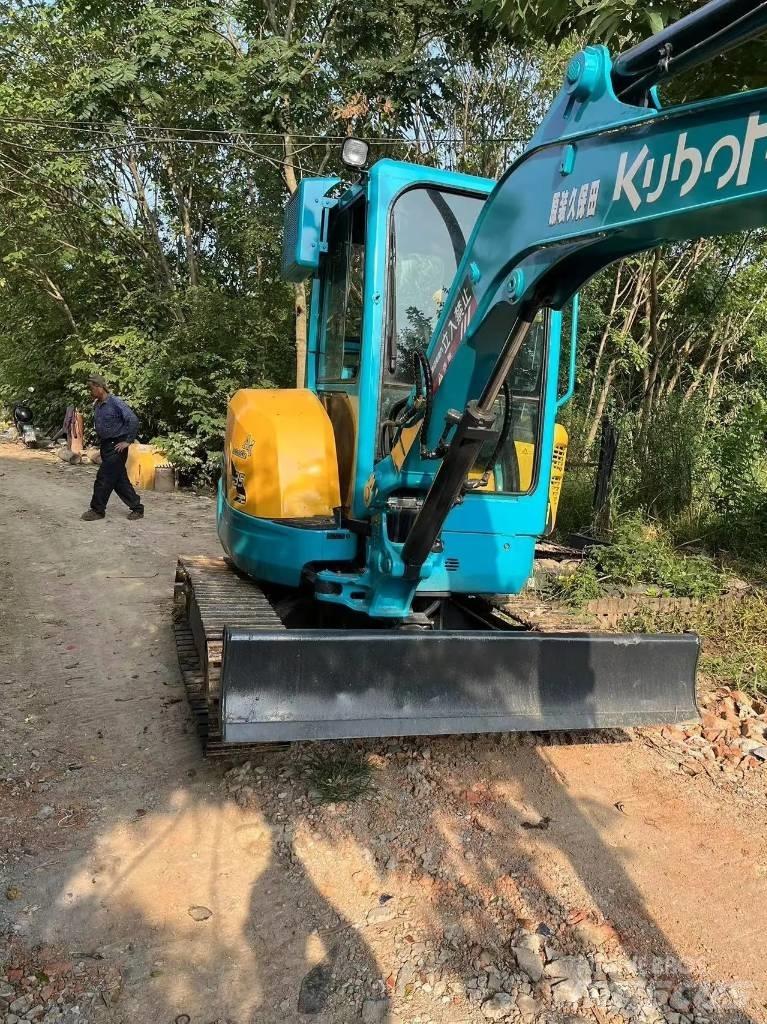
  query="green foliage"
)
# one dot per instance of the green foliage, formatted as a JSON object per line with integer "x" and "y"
{"x": 661, "y": 468}
{"x": 575, "y": 510}
{"x": 640, "y": 557}
{"x": 578, "y": 588}
{"x": 617, "y": 21}
{"x": 140, "y": 222}
{"x": 140, "y": 225}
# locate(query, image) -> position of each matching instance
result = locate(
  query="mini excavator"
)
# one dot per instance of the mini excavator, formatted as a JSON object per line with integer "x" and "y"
{"x": 368, "y": 517}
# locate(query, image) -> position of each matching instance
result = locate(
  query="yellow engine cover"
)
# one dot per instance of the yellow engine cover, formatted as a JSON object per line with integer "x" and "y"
{"x": 280, "y": 455}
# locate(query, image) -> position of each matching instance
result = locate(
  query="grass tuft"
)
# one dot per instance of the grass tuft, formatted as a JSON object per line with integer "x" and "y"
{"x": 338, "y": 775}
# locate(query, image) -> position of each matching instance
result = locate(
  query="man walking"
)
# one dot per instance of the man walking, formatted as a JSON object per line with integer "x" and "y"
{"x": 116, "y": 426}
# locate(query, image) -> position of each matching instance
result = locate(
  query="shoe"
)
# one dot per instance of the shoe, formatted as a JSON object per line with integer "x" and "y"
{"x": 91, "y": 514}
{"x": 137, "y": 513}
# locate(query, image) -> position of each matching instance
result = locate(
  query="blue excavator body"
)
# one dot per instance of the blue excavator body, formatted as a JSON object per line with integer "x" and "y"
{"x": 422, "y": 461}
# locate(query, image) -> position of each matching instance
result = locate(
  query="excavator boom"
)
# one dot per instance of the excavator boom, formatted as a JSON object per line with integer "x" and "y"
{"x": 600, "y": 181}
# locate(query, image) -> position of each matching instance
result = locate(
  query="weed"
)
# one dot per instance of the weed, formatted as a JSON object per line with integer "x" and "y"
{"x": 641, "y": 556}
{"x": 577, "y": 588}
{"x": 338, "y": 774}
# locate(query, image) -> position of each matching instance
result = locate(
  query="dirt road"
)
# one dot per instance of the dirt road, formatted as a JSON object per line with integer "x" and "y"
{"x": 148, "y": 886}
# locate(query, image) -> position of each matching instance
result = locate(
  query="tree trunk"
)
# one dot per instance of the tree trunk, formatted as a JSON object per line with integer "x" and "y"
{"x": 717, "y": 368}
{"x": 702, "y": 367}
{"x": 299, "y": 300}
{"x": 603, "y": 341}
{"x": 183, "y": 202}
{"x": 299, "y": 290}
{"x": 52, "y": 289}
{"x": 654, "y": 346}
{"x": 149, "y": 221}
{"x": 602, "y": 402}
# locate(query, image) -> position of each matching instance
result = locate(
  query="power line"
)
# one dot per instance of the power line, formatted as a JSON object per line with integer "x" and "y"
{"x": 106, "y": 127}
{"x": 274, "y": 161}
{"x": 127, "y": 144}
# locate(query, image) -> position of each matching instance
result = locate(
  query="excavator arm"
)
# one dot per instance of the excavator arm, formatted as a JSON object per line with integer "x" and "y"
{"x": 601, "y": 180}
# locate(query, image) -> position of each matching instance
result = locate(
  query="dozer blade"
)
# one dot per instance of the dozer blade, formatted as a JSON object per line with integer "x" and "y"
{"x": 316, "y": 684}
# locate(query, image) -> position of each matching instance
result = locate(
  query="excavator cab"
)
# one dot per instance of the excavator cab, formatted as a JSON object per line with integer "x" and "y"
{"x": 382, "y": 255}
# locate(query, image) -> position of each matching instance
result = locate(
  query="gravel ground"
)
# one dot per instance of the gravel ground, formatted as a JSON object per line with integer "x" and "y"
{"x": 618, "y": 877}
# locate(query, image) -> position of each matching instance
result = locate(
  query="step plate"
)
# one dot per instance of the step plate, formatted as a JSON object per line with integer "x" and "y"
{"x": 317, "y": 684}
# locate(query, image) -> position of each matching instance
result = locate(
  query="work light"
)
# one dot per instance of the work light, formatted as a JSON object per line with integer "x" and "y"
{"x": 354, "y": 153}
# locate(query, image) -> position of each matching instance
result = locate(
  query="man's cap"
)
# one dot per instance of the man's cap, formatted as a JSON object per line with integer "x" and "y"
{"x": 98, "y": 380}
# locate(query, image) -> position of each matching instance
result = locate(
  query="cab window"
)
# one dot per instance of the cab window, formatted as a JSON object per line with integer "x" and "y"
{"x": 429, "y": 231}
{"x": 342, "y": 300}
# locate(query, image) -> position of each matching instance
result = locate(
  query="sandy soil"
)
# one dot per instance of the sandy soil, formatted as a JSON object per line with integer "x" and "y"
{"x": 112, "y": 828}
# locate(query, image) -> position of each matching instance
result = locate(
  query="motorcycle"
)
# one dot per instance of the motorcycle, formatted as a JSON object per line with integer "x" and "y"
{"x": 23, "y": 419}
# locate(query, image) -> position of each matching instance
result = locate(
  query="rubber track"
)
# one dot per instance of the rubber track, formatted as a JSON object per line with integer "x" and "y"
{"x": 210, "y": 594}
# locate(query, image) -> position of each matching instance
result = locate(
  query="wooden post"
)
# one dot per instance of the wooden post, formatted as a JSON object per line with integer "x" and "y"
{"x": 608, "y": 447}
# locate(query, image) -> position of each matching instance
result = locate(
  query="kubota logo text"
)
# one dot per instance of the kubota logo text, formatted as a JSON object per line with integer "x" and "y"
{"x": 729, "y": 158}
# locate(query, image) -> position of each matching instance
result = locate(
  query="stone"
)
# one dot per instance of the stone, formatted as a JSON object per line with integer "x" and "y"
{"x": 55, "y": 968}
{"x": 678, "y": 1001}
{"x": 530, "y": 962}
{"x": 405, "y": 978}
{"x": 760, "y": 752}
{"x": 494, "y": 979}
{"x": 199, "y": 913}
{"x": 375, "y": 1011}
{"x": 498, "y": 1007}
{"x": 316, "y": 987}
{"x": 45, "y": 812}
{"x": 594, "y": 935}
{"x": 35, "y": 1012}
{"x": 21, "y": 1005}
{"x": 570, "y": 977}
{"x": 534, "y": 942}
{"x": 381, "y": 914}
{"x": 752, "y": 729}
{"x": 527, "y": 1006}
{"x": 747, "y": 745}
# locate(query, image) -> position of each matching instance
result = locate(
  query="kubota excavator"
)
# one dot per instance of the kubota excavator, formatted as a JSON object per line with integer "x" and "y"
{"x": 366, "y": 515}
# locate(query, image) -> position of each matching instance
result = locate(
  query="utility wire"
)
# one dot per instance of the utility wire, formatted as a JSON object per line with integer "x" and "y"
{"x": 106, "y": 127}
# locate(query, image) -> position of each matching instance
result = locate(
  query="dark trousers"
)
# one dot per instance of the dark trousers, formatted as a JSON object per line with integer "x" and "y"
{"x": 113, "y": 476}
